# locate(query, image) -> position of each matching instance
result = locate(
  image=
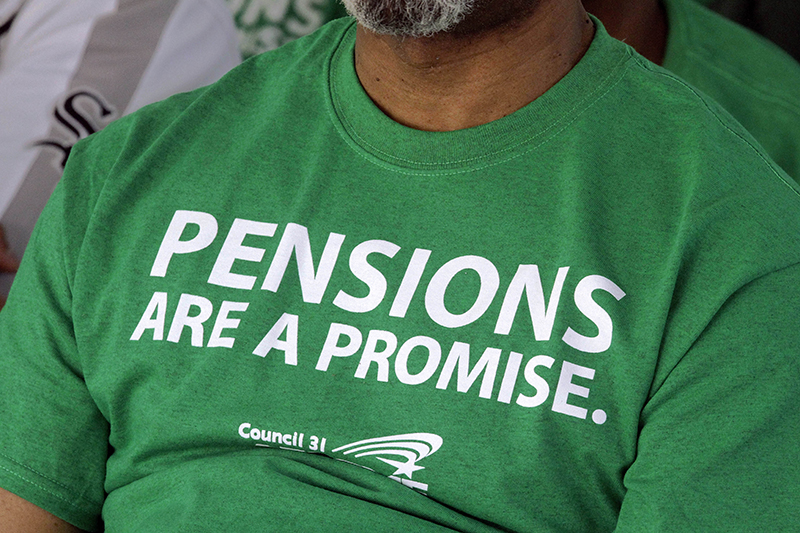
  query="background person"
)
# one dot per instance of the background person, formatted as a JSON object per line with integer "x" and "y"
{"x": 776, "y": 20}
{"x": 68, "y": 68}
{"x": 267, "y": 24}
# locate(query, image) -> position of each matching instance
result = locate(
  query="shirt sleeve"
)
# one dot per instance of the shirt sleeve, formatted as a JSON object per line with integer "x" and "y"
{"x": 718, "y": 442}
{"x": 54, "y": 439}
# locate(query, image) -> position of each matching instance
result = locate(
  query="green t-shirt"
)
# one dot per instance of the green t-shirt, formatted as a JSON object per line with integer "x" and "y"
{"x": 266, "y": 306}
{"x": 267, "y": 24}
{"x": 753, "y": 79}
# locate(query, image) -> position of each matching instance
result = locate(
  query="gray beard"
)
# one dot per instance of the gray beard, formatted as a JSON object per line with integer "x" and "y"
{"x": 409, "y": 18}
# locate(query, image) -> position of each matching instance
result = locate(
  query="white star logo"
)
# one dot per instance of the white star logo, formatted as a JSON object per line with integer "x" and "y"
{"x": 413, "y": 447}
{"x": 403, "y": 468}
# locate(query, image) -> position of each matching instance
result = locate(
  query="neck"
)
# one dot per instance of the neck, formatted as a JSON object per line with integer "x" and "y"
{"x": 640, "y": 23}
{"x": 478, "y": 73}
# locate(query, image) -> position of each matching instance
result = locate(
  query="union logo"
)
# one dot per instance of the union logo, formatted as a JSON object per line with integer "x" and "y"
{"x": 402, "y": 452}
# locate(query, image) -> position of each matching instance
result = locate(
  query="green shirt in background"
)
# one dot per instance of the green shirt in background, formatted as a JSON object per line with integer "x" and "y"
{"x": 754, "y": 80}
{"x": 267, "y": 24}
{"x": 265, "y": 306}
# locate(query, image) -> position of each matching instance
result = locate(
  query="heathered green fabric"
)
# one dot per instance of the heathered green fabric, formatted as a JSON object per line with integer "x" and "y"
{"x": 754, "y": 80}
{"x": 264, "y": 306}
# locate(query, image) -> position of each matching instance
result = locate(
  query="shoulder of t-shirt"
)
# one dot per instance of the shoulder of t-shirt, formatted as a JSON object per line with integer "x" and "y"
{"x": 699, "y": 157}
{"x": 688, "y": 113}
{"x": 689, "y": 132}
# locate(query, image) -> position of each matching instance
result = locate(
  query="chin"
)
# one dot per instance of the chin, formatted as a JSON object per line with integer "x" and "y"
{"x": 409, "y": 18}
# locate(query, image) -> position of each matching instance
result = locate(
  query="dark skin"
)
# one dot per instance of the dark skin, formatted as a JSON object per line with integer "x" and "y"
{"x": 640, "y": 23}
{"x": 501, "y": 58}
{"x": 19, "y": 516}
{"x": 8, "y": 262}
